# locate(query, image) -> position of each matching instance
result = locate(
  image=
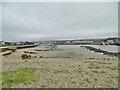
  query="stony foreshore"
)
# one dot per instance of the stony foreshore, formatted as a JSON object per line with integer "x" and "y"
{"x": 58, "y": 72}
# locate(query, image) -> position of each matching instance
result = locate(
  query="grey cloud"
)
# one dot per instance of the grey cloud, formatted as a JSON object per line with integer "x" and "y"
{"x": 46, "y": 21}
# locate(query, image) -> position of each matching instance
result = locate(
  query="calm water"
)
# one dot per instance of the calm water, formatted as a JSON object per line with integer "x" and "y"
{"x": 110, "y": 48}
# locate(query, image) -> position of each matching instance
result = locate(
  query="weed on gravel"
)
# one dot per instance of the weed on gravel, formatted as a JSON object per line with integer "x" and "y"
{"x": 22, "y": 75}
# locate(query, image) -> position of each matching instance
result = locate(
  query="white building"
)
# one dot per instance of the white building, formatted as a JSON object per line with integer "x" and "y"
{"x": 110, "y": 41}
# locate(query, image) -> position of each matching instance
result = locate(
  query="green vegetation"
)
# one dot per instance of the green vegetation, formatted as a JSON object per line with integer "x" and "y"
{"x": 95, "y": 79}
{"x": 61, "y": 71}
{"x": 102, "y": 62}
{"x": 43, "y": 86}
{"x": 109, "y": 81}
{"x": 87, "y": 61}
{"x": 114, "y": 76}
{"x": 23, "y": 75}
{"x": 0, "y": 78}
{"x": 99, "y": 62}
{"x": 93, "y": 66}
{"x": 112, "y": 67}
{"x": 73, "y": 82}
{"x": 118, "y": 67}
{"x": 98, "y": 72}
{"x": 88, "y": 81}
{"x": 44, "y": 70}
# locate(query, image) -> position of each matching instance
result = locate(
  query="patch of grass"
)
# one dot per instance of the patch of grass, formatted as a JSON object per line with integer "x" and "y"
{"x": 22, "y": 75}
{"x": 81, "y": 84}
{"x": 106, "y": 63}
{"x": 118, "y": 67}
{"x": 51, "y": 80}
{"x": 110, "y": 81}
{"x": 102, "y": 62}
{"x": 78, "y": 70}
{"x": 73, "y": 82}
{"x": 43, "y": 86}
{"x": 44, "y": 70}
{"x": 88, "y": 81}
{"x": 93, "y": 66}
{"x": 0, "y": 79}
{"x": 118, "y": 78}
{"x": 114, "y": 76}
{"x": 87, "y": 61}
{"x": 61, "y": 71}
{"x": 95, "y": 79}
{"x": 98, "y": 72}
{"x": 112, "y": 67}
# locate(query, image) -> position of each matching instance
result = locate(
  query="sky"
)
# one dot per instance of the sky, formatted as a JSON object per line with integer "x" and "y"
{"x": 30, "y": 21}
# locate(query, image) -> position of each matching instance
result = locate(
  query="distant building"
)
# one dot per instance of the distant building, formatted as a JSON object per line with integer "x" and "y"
{"x": 110, "y": 41}
{"x": 117, "y": 41}
{"x": 19, "y": 43}
{"x": 77, "y": 41}
{"x": 68, "y": 42}
{"x": 2, "y": 43}
{"x": 87, "y": 41}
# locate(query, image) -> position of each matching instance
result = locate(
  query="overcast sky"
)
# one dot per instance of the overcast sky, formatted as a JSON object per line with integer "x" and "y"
{"x": 51, "y": 21}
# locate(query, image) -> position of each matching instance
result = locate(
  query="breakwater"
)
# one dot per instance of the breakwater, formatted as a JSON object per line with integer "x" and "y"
{"x": 102, "y": 51}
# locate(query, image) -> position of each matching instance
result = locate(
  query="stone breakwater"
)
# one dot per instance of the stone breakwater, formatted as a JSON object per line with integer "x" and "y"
{"x": 117, "y": 54}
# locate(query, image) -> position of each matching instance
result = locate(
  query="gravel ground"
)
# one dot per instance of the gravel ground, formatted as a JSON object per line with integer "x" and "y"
{"x": 64, "y": 72}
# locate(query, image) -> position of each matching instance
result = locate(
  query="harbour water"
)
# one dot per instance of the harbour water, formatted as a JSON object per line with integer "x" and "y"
{"x": 85, "y": 53}
{"x": 109, "y": 48}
